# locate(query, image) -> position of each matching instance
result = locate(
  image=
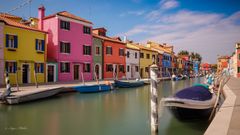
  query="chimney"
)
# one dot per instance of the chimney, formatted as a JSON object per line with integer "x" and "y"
{"x": 41, "y": 15}
{"x": 124, "y": 39}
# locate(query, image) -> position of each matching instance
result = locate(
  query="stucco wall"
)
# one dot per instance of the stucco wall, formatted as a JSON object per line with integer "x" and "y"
{"x": 131, "y": 61}
{"x": 77, "y": 39}
{"x": 97, "y": 59}
{"x": 1, "y": 54}
{"x": 25, "y": 53}
{"x": 114, "y": 58}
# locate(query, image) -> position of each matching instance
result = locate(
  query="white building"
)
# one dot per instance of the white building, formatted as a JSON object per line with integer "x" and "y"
{"x": 132, "y": 62}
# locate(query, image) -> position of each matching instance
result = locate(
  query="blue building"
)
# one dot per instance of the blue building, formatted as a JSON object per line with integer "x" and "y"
{"x": 166, "y": 64}
{"x": 196, "y": 67}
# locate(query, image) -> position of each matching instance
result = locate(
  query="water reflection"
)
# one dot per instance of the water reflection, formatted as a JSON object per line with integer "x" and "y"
{"x": 124, "y": 111}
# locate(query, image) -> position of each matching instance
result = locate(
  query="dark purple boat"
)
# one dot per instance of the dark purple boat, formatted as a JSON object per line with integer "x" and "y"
{"x": 195, "y": 102}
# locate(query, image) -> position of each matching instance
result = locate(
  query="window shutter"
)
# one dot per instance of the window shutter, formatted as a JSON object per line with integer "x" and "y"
{"x": 69, "y": 48}
{"x": 7, "y": 38}
{"x": 15, "y": 67}
{"x": 6, "y": 66}
{"x": 35, "y": 67}
{"x": 111, "y": 50}
{"x": 43, "y": 45}
{"x": 42, "y": 67}
{"x": 15, "y": 42}
{"x": 36, "y": 44}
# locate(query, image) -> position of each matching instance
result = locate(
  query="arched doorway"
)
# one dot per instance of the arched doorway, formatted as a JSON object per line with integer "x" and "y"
{"x": 98, "y": 71}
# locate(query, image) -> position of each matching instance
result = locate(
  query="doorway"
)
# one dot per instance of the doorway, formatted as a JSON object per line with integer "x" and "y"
{"x": 25, "y": 73}
{"x": 76, "y": 72}
{"x": 51, "y": 73}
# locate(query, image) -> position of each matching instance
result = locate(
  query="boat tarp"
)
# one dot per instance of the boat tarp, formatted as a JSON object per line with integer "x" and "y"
{"x": 199, "y": 93}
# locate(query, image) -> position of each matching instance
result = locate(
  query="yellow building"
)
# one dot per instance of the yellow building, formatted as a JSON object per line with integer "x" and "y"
{"x": 147, "y": 57}
{"x": 222, "y": 63}
{"x": 24, "y": 51}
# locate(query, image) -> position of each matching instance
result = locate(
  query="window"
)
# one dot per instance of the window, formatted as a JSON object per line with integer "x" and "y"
{"x": 109, "y": 50}
{"x": 97, "y": 50}
{"x": 128, "y": 54}
{"x": 121, "y": 52}
{"x": 86, "y": 30}
{"x": 121, "y": 68}
{"x": 39, "y": 67}
{"x": 136, "y": 55}
{"x": 86, "y": 50}
{"x": 65, "y": 25}
{"x": 87, "y": 67}
{"x": 141, "y": 55}
{"x": 148, "y": 56}
{"x": 146, "y": 69}
{"x": 11, "y": 67}
{"x": 136, "y": 68}
{"x": 239, "y": 56}
{"x": 128, "y": 68}
{"x": 109, "y": 67}
{"x": 11, "y": 41}
{"x": 238, "y": 69}
{"x": 65, "y": 47}
{"x": 40, "y": 45}
{"x": 65, "y": 67}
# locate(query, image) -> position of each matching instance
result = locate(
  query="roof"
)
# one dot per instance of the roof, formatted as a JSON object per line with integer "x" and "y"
{"x": 157, "y": 46}
{"x": 223, "y": 57}
{"x": 18, "y": 24}
{"x": 108, "y": 38}
{"x": 130, "y": 46}
{"x": 101, "y": 28}
{"x": 68, "y": 15}
{"x": 143, "y": 47}
{"x": 6, "y": 15}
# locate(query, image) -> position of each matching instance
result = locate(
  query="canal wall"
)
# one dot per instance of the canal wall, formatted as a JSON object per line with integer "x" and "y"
{"x": 227, "y": 119}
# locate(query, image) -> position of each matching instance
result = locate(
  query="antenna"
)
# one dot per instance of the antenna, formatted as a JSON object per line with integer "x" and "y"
{"x": 20, "y": 6}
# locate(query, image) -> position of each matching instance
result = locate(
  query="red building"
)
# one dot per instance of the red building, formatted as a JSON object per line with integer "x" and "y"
{"x": 114, "y": 60}
{"x": 238, "y": 59}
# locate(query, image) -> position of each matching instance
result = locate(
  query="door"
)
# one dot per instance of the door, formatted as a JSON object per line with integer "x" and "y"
{"x": 141, "y": 72}
{"x": 25, "y": 73}
{"x": 76, "y": 72}
{"x": 97, "y": 71}
{"x": 51, "y": 72}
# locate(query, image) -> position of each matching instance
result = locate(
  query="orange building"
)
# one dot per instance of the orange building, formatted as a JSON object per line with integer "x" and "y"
{"x": 114, "y": 61}
{"x": 222, "y": 63}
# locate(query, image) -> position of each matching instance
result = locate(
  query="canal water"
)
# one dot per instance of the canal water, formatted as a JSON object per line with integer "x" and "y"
{"x": 119, "y": 112}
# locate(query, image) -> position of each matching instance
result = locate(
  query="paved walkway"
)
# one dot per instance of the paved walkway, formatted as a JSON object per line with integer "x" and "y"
{"x": 234, "y": 127}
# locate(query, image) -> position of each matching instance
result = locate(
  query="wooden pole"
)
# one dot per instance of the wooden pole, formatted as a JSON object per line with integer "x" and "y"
{"x": 35, "y": 78}
{"x": 82, "y": 78}
{"x": 17, "y": 80}
{"x": 154, "y": 99}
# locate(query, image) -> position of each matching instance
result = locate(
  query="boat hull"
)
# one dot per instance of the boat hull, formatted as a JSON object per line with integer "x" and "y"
{"x": 190, "y": 114}
{"x": 92, "y": 88}
{"x": 122, "y": 84}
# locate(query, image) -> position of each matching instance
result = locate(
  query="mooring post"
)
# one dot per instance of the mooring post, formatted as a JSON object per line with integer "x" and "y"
{"x": 154, "y": 99}
{"x": 8, "y": 86}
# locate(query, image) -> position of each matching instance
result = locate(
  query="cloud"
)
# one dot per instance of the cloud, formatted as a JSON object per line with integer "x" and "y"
{"x": 168, "y": 4}
{"x": 163, "y": 6}
{"x": 209, "y": 34}
{"x": 135, "y": 13}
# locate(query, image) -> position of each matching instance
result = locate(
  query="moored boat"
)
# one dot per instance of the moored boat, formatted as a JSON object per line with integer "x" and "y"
{"x": 92, "y": 88}
{"x": 130, "y": 84}
{"x": 195, "y": 102}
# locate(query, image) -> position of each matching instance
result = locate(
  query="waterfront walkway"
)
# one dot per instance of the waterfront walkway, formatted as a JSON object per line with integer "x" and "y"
{"x": 234, "y": 127}
{"x": 227, "y": 119}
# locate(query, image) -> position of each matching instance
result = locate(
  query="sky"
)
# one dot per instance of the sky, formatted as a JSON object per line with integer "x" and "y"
{"x": 209, "y": 27}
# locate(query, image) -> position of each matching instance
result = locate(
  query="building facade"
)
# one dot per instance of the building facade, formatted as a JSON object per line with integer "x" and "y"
{"x": 238, "y": 59}
{"x": 1, "y": 53}
{"x": 132, "y": 61}
{"x": 69, "y": 45}
{"x": 24, "y": 52}
{"x": 97, "y": 57}
{"x": 147, "y": 58}
{"x": 114, "y": 60}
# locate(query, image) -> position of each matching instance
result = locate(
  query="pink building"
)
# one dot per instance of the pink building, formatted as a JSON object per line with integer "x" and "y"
{"x": 69, "y": 46}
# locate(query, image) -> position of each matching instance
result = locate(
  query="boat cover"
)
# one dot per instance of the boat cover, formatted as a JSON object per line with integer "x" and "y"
{"x": 199, "y": 93}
